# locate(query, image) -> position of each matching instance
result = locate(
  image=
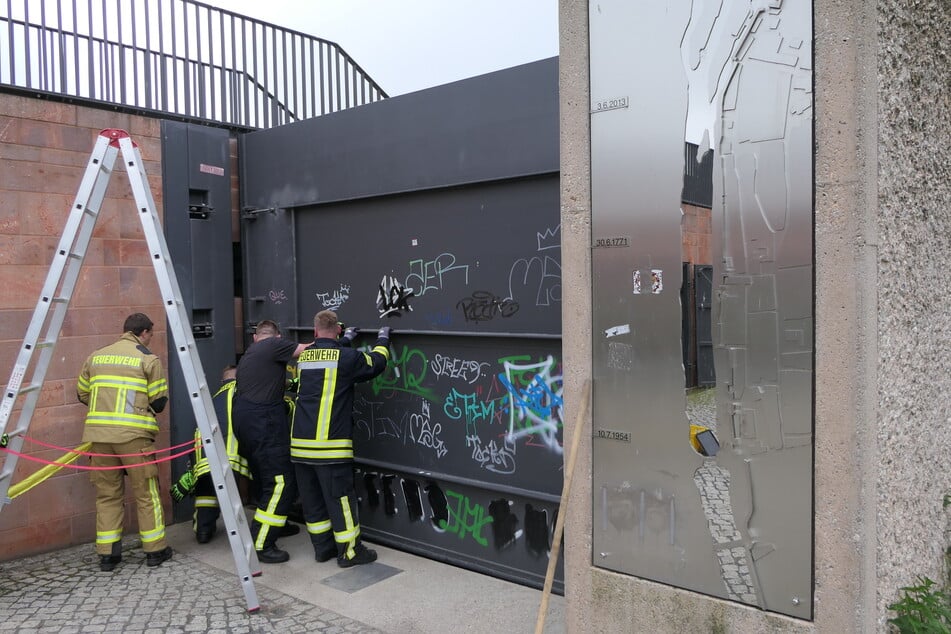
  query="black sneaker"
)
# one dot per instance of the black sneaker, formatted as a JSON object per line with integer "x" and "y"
{"x": 362, "y": 555}
{"x": 288, "y": 529}
{"x": 156, "y": 558}
{"x": 272, "y": 555}
{"x": 326, "y": 555}
{"x": 108, "y": 563}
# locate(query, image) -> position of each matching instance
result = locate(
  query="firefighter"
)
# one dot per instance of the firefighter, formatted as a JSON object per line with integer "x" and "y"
{"x": 321, "y": 437}
{"x": 207, "y": 510}
{"x": 124, "y": 386}
{"x": 262, "y": 428}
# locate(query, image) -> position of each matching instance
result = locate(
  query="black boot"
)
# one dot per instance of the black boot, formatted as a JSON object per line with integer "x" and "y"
{"x": 204, "y": 535}
{"x": 362, "y": 555}
{"x": 271, "y": 554}
{"x": 108, "y": 563}
{"x": 156, "y": 558}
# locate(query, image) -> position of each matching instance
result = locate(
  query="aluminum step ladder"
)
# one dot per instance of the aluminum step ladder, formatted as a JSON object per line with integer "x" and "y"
{"x": 50, "y": 312}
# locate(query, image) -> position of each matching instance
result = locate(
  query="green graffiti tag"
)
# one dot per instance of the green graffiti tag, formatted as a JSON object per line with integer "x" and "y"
{"x": 405, "y": 372}
{"x": 459, "y": 405}
{"x": 466, "y": 518}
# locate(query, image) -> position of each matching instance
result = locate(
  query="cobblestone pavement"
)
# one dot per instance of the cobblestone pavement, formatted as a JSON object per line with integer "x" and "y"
{"x": 64, "y": 592}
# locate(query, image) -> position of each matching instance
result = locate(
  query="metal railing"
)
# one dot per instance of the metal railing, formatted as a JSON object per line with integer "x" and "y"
{"x": 177, "y": 56}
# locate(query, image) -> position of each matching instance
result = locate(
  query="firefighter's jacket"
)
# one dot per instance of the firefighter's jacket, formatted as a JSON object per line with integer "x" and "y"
{"x": 222, "y": 402}
{"x": 124, "y": 385}
{"x": 322, "y": 427}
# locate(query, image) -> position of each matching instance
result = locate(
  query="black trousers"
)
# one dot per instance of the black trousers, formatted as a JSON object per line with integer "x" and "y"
{"x": 264, "y": 434}
{"x": 207, "y": 511}
{"x": 329, "y": 502}
{"x": 206, "y": 505}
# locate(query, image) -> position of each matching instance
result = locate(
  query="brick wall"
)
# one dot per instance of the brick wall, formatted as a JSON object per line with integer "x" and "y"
{"x": 44, "y": 148}
{"x": 696, "y": 232}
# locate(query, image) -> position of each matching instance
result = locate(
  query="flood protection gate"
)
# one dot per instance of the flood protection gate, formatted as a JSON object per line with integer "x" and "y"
{"x": 435, "y": 213}
{"x": 196, "y": 196}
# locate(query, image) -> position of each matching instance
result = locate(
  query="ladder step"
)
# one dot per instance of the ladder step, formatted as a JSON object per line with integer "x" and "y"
{"x": 32, "y": 387}
{"x": 74, "y": 244}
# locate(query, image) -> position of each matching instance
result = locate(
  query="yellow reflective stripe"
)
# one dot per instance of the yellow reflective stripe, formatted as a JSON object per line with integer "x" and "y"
{"x": 237, "y": 462}
{"x": 157, "y": 387}
{"x": 232, "y": 447}
{"x": 321, "y": 454}
{"x": 316, "y": 528}
{"x": 350, "y": 535}
{"x": 153, "y": 535}
{"x": 83, "y": 384}
{"x": 118, "y": 422}
{"x": 158, "y": 532}
{"x": 382, "y": 350}
{"x": 332, "y": 443}
{"x": 110, "y": 380}
{"x": 326, "y": 404}
{"x": 241, "y": 468}
{"x": 207, "y": 502}
{"x": 267, "y": 517}
{"x": 115, "y": 416}
{"x": 108, "y": 537}
{"x": 343, "y": 536}
{"x": 239, "y": 465}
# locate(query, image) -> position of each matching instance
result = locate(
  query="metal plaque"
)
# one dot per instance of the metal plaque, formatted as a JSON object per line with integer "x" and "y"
{"x": 701, "y": 155}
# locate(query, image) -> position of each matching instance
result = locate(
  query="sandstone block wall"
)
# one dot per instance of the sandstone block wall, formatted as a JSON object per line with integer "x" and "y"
{"x": 44, "y": 149}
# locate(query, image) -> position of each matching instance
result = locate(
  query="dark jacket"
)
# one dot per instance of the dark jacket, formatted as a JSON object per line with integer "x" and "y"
{"x": 322, "y": 428}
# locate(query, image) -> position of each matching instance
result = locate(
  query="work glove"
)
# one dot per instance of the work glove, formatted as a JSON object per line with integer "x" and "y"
{"x": 384, "y": 335}
{"x": 349, "y": 334}
{"x": 184, "y": 487}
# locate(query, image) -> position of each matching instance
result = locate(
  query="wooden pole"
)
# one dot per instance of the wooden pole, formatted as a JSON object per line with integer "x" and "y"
{"x": 560, "y": 521}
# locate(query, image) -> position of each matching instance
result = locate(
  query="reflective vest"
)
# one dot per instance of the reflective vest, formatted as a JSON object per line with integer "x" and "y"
{"x": 222, "y": 401}
{"x": 117, "y": 383}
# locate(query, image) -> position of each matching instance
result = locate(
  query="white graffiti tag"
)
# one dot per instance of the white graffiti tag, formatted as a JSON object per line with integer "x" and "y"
{"x": 468, "y": 371}
{"x": 334, "y": 300}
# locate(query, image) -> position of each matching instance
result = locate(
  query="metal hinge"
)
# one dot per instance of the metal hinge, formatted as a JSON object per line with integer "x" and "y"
{"x": 251, "y": 213}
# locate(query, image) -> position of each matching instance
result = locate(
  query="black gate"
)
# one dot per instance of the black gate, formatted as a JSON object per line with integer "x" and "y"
{"x": 196, "y": 199}
{"x": 436, "y": 213}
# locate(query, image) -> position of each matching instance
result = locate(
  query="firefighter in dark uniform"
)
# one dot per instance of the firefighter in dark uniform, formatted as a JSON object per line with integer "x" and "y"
{"x": 262, "y": 428}
{"x": 321, "y": 437}
{"x": 207, "y": 509}
{"x": 124, "y": 386}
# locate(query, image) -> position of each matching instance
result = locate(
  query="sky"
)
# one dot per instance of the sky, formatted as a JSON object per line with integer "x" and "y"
{"x": 409, "y": 45}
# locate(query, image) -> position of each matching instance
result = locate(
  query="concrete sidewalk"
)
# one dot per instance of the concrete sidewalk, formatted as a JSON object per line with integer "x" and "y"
{"x": 198, "y": 591}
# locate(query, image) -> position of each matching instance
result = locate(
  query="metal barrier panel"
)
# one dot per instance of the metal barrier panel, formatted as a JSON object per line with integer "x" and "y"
{"x": 732, "y": 82}
{"x": 196, "y": 198}
{"x": 440, "y": 220}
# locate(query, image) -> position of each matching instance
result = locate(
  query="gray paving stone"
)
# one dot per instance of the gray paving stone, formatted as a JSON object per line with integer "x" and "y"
{"x": 64, "y": 592}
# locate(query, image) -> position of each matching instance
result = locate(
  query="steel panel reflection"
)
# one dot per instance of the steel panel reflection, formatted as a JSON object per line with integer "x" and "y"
{"x": 732, "y": 78}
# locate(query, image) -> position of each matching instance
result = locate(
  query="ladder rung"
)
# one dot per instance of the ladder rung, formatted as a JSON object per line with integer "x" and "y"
{"x": 32, "y": 387}
{"x": 46, "y": 343}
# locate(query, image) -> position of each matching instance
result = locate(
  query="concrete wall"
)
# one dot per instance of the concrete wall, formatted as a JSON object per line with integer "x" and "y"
{"x": 882, "y": 341}
{"x": 913, "y": 224}
{"x": 44, "y": 149}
